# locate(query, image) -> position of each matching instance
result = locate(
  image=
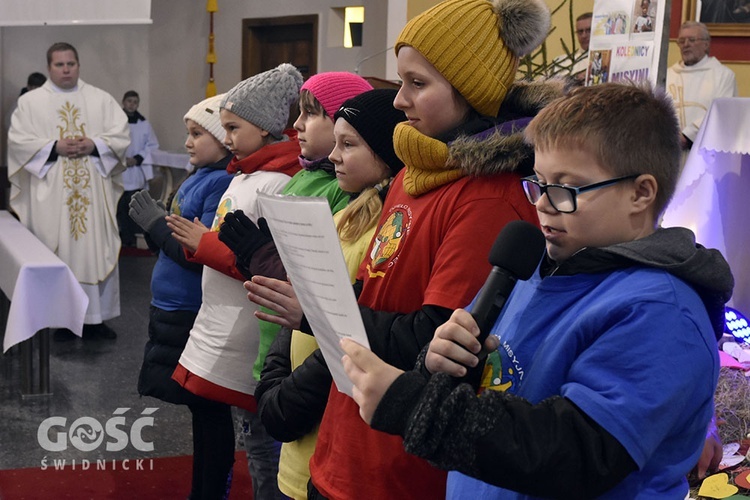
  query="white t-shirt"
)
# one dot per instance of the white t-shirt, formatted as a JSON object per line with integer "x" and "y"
{"x": 225, "y": 337}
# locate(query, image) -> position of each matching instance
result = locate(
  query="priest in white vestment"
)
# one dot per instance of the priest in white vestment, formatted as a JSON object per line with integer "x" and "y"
{"x": 66, "y": 150}
{"x": 697, "y": 80}
{"x": 576, "y": 64}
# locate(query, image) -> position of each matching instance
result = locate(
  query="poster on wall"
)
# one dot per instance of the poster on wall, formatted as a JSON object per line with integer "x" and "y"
{"x": 624, "y": 36}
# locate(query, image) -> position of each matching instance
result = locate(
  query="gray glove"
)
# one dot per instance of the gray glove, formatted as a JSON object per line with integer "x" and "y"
{"x": 145, "y": 211}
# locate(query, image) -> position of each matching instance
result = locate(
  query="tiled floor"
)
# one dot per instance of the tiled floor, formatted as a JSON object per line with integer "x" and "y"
{"x": 93, "y": 381}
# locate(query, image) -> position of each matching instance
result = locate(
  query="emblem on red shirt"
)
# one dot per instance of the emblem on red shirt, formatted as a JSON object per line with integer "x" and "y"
{"x": 387, "y": 242}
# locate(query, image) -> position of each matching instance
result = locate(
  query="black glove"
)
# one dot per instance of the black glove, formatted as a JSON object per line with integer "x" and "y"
{"x": 263, "y": 226}
{"x": 242, "y": 236}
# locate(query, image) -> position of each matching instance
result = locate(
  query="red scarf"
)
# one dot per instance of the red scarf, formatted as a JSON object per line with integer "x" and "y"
{"x": 282, "y": 156}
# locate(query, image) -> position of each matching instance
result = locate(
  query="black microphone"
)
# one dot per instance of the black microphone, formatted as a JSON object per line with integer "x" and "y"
{"x": 514, "y": 255}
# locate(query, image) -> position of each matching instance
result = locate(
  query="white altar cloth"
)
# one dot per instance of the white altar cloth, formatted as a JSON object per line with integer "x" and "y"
{"x": 171, "y": 159}
{"x": 713, "y": 193}
{"x": 43, "y": 291}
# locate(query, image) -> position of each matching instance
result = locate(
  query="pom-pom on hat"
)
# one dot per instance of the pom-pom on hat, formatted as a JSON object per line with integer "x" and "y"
{"x": 476, "y": 44}
{"x": 332, "y": 88}
{"x": 206, "y": 114}
{"x": 264, "y": 99}
{"x": 373, "y": 116}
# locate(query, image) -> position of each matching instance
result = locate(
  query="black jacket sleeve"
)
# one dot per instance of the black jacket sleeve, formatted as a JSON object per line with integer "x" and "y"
{"x": 358, "y": 288}
{"x": 395, "y": 337}
{"x": 266, "y": 262}
{"x": 291, "y": 403}
{"x": 398, "y": 338}
{"x": 161, "y": 235}
{"x": 502, "y": 439}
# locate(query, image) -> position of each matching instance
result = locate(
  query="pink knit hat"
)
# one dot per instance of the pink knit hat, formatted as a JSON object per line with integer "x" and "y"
{"x": 332, "y": 88}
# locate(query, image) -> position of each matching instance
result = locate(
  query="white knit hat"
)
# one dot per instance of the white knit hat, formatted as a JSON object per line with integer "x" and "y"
{"x": 206, "y": 114}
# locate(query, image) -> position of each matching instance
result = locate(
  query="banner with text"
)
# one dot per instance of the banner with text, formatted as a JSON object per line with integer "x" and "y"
{"x": 625, "y": 36}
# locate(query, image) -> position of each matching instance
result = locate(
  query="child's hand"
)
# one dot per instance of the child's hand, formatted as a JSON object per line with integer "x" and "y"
{"x": 455, "y": 345}
{"x": 371, "y": 377}
{"x": 712, "y": 454}
{"x": 277, "y": 296}
{"x": 187, "y": 233}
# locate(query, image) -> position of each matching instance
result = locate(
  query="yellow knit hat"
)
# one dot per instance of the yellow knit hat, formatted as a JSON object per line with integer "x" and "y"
{"x": 476, "y": 44}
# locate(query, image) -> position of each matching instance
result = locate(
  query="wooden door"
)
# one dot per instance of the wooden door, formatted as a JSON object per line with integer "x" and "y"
{"x": 271, "y": 41}
{"x": 268, "y": 42}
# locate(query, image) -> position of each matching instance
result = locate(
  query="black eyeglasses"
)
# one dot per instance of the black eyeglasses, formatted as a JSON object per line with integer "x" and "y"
{"x": 563, "y": 198}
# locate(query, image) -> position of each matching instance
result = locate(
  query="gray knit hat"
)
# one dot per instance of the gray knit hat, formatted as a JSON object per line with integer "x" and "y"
{"x": 264, "y": 99}
{"x": 206, "y": 114}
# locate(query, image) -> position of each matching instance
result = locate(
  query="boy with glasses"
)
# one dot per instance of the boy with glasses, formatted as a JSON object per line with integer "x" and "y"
{"x": 602, "y": 366}
{"x": 697, "y": 80}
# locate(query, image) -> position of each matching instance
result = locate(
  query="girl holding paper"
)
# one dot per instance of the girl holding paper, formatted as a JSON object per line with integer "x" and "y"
{"x": 365, "y": 165}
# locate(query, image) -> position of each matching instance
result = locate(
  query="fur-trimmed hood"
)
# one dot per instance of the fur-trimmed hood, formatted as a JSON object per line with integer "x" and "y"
{"x": 501, "y": 148}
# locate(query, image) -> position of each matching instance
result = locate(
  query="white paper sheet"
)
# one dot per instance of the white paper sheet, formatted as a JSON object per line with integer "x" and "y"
{"x": 309, "y": 247}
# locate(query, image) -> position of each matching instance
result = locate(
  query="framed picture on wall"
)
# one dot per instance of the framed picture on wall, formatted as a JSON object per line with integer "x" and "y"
{"x": 723, "y": 17}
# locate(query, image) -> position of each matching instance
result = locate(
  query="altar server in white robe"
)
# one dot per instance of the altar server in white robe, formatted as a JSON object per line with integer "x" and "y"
{"x": 696, "y": 80}
{"x": 66, "y": 151}
{"x": 140, "y": 169}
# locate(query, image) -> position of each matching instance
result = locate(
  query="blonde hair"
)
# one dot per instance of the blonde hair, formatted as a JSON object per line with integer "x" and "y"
{"x": 363, "y": 213}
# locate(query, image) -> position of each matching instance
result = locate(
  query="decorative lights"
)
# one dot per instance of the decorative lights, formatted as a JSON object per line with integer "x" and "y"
{"x": 737, "y": 325}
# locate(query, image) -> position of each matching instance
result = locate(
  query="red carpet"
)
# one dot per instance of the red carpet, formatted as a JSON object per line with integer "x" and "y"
{"x": 169, "y": 479}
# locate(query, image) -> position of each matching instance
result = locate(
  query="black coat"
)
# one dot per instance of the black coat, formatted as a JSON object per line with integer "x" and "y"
{"x": 168, "y": 332}
{"x": 291, "y": 403}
